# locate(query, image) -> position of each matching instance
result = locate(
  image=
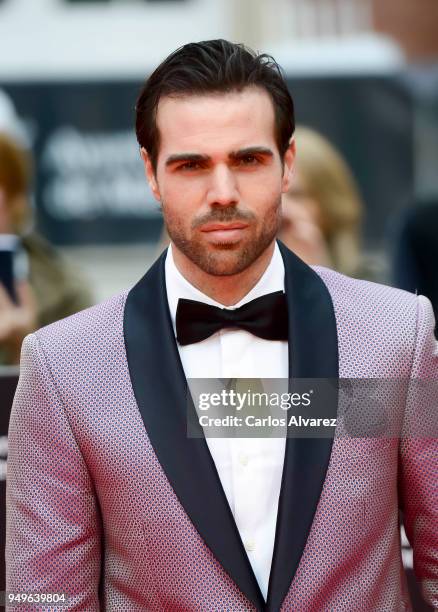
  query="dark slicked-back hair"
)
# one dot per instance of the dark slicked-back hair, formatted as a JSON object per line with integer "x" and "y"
{"x": 209, "y": 67}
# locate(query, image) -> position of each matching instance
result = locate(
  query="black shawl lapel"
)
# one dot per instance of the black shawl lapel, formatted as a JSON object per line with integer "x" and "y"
{"x": 313, "y": 353}
{"x": 160, "y": 389}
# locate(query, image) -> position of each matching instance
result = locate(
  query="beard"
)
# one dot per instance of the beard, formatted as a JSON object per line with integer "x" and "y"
{"x": 224, "y": 259}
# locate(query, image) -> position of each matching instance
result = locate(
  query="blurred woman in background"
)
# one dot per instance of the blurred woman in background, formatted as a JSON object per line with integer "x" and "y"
{"x": 47, "y": 287}
{"x": 322, "y": 212}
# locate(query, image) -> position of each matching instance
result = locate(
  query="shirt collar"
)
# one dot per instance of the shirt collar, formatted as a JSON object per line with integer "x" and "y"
{"x": 179, "y": 287}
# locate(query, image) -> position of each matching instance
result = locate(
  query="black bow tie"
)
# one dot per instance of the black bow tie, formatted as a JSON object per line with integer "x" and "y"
{"x": 265, "y": 317}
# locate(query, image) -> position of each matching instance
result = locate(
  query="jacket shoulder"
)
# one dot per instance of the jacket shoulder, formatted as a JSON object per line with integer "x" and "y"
{"x": 85, "y": 331}
{"x": 366, "y": 297}
{"x": 379, "y": 327}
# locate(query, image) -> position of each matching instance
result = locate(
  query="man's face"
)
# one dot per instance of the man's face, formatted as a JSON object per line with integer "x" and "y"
{"x": 219, "y": 177}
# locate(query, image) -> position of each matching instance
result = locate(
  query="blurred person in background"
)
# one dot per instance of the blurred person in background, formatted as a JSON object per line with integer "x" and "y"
{"x": 416, "y": 251}
{"x": 47, "y": 287}
{"x": 322, "y": 211}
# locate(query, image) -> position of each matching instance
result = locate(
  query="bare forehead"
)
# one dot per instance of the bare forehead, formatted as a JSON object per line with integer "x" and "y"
{"x": 250, "y": 107}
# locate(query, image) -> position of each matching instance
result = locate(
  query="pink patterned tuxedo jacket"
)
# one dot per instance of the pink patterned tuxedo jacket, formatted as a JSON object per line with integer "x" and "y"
{"x": 109, "y": 501}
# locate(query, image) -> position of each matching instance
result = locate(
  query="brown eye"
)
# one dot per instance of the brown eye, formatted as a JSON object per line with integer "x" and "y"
{"x": 248, "y": 160}
{"x": 192, "y": 165}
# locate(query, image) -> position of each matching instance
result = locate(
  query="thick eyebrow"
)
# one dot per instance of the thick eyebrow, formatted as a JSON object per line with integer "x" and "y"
{"x": 186, "y": 157}
{"x": 251, "y": 151}
{"x": 196, "y": 157}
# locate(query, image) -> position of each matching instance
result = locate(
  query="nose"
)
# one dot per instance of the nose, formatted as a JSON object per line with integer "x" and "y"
{"x": 222, "y": 189}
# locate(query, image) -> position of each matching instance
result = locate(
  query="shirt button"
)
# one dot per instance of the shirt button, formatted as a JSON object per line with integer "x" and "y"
{"x": 243, "y": 459}
{"x": 249, "y": 545}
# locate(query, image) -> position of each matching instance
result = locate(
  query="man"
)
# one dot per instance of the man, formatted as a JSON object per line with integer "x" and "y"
{"x": 109, "y": 500}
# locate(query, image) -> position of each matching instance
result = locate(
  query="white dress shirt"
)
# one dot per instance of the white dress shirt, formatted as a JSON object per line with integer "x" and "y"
{"x": 250, "y": 469}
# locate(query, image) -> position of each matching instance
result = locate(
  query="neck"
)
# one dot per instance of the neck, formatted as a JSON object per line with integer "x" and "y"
{"x": 227, "y": 290}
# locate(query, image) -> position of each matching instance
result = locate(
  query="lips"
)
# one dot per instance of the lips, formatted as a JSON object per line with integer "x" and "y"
{"x": 214, "y": 227}
{"x": 224, "y": 233}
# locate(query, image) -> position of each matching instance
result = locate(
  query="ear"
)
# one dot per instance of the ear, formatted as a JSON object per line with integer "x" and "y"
{"x": 288, "y": 166}
{"x": 150, "y": 174}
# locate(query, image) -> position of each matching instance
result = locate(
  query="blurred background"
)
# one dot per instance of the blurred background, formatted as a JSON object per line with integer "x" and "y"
{"x": 363, "y": 73}
{"x": 364, "y": 77}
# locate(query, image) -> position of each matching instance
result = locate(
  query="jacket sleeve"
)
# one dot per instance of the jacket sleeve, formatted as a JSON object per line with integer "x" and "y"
{"x": 418, "y": 468}
{"x": 53, "y": 523}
